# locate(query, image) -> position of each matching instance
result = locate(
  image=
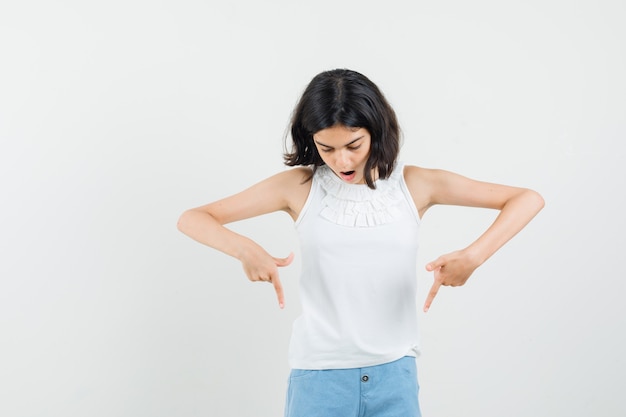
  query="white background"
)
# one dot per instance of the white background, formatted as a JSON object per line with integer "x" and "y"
{"x": 117, "y": 116}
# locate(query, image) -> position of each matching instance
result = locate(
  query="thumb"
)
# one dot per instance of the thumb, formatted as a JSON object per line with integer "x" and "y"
{"x": 284, "y": 261}
{"x": 437, "y": 263}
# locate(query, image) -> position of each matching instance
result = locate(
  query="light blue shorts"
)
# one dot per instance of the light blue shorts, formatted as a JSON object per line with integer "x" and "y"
{"x": 388, "y": 390}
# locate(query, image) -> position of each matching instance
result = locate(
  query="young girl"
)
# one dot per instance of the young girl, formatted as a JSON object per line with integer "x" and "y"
{"x": 357, "y": 211}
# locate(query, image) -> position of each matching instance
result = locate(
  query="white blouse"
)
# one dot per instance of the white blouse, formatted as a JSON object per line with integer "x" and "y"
{"x": 358, "y": 282}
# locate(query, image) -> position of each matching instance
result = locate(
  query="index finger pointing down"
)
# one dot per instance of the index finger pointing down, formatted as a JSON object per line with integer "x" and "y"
{"x": 278, "y": 287}
{"x": 431, "y": 295}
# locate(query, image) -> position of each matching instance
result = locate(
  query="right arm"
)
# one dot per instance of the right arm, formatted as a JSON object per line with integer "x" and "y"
{"x": 285, "y": 191}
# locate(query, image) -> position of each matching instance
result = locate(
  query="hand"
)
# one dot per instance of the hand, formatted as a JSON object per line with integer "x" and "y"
{"x": 260, "y": 266}
{"x": 453, "y": 270}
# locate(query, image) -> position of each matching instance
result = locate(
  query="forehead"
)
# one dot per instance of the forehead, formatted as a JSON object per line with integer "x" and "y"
{"x": 340, "y": 134}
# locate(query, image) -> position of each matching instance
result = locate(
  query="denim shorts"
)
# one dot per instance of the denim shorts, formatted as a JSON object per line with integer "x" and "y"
{"x": 388, "y": 390}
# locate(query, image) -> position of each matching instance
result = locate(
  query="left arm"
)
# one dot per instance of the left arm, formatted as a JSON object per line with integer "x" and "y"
{"x": 517, "y": 207}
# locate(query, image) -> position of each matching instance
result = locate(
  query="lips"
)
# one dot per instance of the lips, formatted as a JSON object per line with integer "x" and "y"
{"x": 347, "y": 175}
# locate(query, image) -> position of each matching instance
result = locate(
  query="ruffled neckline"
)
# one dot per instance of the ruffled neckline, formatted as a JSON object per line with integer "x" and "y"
{"x": 357, "y": 205}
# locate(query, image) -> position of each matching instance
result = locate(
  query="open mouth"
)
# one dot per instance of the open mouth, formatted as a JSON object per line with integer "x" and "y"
{"x": 347, "y": 176}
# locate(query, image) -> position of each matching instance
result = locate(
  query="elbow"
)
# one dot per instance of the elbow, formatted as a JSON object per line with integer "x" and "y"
{"x": 183, "y": 222}
{"x": 192, "y": 221}
{"x": 536, "y": 200}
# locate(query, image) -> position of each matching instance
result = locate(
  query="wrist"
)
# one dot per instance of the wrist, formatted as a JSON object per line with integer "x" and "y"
{"x": 243, "y": 247}
{"x": 474, "y": 256}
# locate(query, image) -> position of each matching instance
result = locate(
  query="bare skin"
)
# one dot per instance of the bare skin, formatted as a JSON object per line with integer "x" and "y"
{"x": 345, "y": 151}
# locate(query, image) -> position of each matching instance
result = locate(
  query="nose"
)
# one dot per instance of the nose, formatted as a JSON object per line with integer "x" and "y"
{"x": 343, "y": 158}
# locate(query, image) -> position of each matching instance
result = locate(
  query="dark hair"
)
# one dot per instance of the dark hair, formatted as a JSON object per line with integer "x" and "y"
{"x": 345, "y": 97}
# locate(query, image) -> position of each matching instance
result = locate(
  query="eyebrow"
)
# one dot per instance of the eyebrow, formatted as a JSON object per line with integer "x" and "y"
{"x": 348, "y": 144}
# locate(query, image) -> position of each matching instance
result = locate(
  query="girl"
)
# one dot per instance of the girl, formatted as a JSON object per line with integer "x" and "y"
{"x": 357, "y": 212}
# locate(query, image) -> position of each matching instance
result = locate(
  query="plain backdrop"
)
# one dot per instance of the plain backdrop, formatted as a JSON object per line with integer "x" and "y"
{"x": 117, "y": 116}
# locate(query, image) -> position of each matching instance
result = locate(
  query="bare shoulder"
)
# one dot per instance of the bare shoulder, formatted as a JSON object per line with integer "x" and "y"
{"x": 295, "y": 176}
{"x": 296, "y": 185}
{"x": 423, "y": 180}
{"x": 419, "y": 183}
{"x": 414, "y": 174}
{"x": 294, "y": 180}
{"x": 286, "y": 182}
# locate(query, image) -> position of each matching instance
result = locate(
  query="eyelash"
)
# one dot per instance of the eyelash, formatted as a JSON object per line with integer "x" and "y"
{"x": 352, "y": 148}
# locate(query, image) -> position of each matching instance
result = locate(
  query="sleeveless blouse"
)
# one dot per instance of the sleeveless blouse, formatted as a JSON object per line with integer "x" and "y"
{"x": 358, "y": 280}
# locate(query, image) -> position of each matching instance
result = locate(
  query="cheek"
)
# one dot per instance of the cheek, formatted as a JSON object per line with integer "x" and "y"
{"x": 323, "y": 157}
{"x": 365, "y": 155}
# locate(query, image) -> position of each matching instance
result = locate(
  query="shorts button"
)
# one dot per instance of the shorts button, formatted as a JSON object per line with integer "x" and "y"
{"x": 365, "y": 378}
